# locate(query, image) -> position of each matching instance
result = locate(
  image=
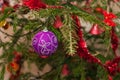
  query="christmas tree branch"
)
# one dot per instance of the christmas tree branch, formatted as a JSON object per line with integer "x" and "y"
{"x": 69, "y": 40}
{"x": 8, "y": 35}
{"x": 2, "y": 73}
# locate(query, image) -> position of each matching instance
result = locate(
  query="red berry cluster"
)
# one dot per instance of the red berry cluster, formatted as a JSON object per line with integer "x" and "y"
{"x": 14, "y": 66}
{"x": 108, "y": 17}
{"x": 113, "y": 66}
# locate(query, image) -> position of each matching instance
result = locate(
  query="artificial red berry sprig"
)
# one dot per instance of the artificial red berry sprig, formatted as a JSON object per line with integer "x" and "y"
{"x": 108, "y": 17}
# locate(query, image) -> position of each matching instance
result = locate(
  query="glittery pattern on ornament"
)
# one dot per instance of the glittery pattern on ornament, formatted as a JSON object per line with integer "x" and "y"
{"x": 45, "y": 43}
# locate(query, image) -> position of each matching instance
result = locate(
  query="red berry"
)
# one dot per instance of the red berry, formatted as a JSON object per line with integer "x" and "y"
{"x": 13, "y": 67}
{"x": 110, "y": 77}
{"x": 65, "y": 70}
{"x": 109, "y": 22}
{"x": 99, "y": 9}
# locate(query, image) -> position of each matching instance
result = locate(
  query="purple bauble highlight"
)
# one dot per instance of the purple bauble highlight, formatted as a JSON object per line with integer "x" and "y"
{"x": 45, "y": 43}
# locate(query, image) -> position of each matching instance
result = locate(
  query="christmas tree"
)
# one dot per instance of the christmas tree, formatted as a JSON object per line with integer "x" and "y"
{"x": 78, "y": 39}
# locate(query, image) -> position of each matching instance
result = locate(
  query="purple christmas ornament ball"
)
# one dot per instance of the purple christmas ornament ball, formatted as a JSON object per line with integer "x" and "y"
{"x": 45, "y": 43}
